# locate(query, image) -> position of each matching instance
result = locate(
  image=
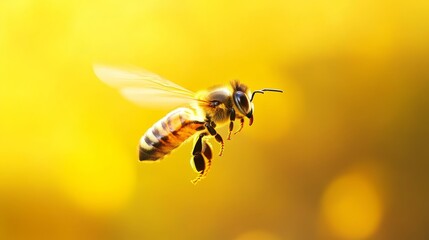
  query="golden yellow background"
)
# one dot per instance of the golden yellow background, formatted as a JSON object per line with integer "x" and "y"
{"x": 342, "y": 154}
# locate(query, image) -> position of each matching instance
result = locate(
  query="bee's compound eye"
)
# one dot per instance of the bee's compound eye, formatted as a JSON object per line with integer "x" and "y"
{"x": 242, "y": 102}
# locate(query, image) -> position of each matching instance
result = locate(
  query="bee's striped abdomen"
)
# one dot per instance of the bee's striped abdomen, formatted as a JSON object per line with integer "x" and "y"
{"x": 168, "y": 133}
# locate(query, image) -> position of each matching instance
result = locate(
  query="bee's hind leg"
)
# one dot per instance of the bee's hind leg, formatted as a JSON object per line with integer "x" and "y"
{"x": 202, "y": 156}
{"x": 211, "y": 129}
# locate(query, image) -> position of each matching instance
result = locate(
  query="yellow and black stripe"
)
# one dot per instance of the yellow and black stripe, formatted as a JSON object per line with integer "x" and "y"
{"x": 168, "y": 133}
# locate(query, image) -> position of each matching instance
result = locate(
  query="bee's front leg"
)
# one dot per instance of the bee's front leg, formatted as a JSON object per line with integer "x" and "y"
{"x": 211, "y": 129}
{"x": 231, "y": 123}
{"x": 241, "y": 125}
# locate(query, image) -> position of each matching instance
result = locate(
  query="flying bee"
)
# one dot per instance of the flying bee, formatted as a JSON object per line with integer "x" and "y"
{"x": 201, "y": 113}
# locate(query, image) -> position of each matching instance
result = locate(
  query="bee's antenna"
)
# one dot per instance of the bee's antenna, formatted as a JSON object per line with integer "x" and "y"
{"x": 265, "y": 90}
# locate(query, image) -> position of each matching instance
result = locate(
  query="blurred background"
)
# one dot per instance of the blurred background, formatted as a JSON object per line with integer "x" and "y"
{"x": 342, "y": 154}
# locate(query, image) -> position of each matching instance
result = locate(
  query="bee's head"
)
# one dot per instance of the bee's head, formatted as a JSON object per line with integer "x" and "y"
{"x": 243, "y": 98}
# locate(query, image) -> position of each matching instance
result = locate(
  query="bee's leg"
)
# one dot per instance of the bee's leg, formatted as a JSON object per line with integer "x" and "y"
{"x": 202, "y": 156}
{"x": 207, "y": 150}
{"x": 211, "y": 128}
{"x": 231, "y": 123}
{"x": 241, "y": 125}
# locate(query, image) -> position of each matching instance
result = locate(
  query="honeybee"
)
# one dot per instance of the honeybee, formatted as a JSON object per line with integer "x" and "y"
{"x": 200, "y": 113}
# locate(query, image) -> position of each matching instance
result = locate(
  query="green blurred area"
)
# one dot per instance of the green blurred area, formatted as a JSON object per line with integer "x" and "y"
{"x": 342, "y": 154}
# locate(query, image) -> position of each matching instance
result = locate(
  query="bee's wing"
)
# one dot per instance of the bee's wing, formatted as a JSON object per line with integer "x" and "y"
{"x": 144, "y": 88}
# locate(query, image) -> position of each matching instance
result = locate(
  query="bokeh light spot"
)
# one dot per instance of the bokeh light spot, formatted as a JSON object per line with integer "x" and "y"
{"x": 351, "y": 206}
